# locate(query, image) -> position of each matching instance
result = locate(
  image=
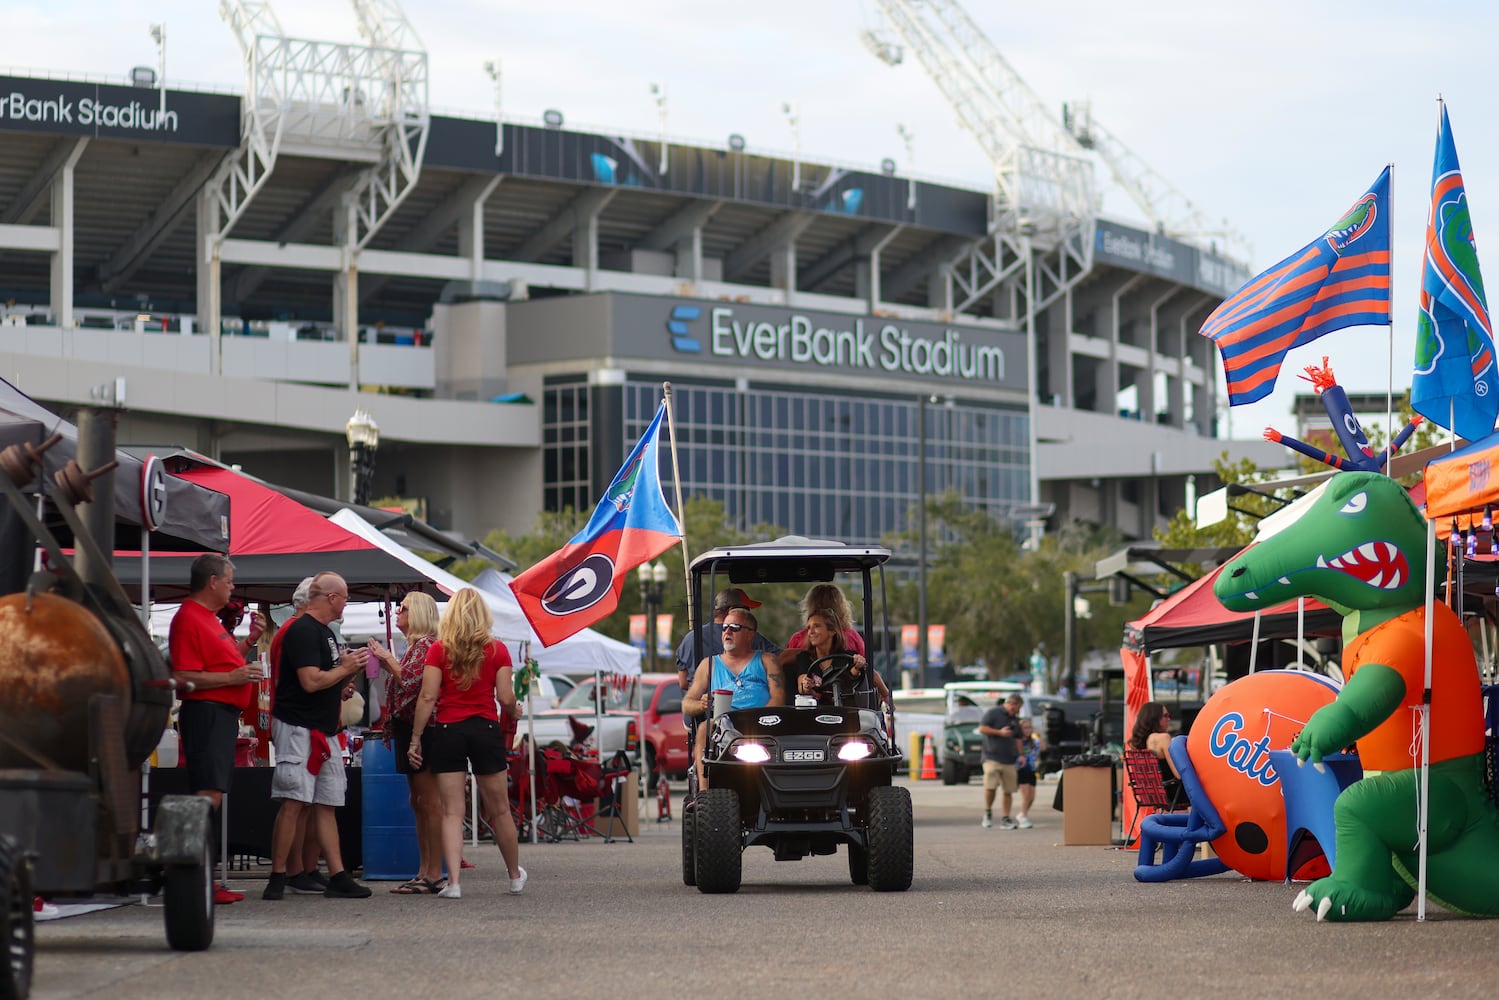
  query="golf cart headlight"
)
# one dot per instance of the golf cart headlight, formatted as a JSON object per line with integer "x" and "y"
{"x": 751, "y": 753}
{"x": 855, "y": 750}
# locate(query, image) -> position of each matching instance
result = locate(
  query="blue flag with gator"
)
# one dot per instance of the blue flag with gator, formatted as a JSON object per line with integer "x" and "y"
{"x": 1340, "y": 279}
{"x": 580, "y": 583}
{"x": 1453, "y": 383}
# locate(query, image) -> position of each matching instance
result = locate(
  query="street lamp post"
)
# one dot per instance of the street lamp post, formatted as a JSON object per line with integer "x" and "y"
{"x": 364, "y": 438}
{"x": 492, "y": 68}
{"x": 791, "y": 109}
{"x": 652, "y": 578}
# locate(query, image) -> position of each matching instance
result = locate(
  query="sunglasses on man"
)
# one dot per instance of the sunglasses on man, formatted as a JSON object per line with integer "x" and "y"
{"x": 732, "y": 627}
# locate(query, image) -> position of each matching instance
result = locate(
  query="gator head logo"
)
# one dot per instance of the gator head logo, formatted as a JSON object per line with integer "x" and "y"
{"x": 1359, "y": 545}
{"x": 622, "y": 491}
{"x": 1358, "y": 221}
{"x": 1452, "y": 275}
{"x": 681, "y": 334}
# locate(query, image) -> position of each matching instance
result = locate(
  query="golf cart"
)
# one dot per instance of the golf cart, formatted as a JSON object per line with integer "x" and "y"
{"x": 800, "y": 778}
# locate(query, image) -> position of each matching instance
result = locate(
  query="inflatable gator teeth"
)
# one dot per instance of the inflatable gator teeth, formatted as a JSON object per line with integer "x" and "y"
{"x": 1360, "y": 548}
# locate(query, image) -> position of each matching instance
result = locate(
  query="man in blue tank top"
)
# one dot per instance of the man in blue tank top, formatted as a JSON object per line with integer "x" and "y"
{"x": 753, "y": 676}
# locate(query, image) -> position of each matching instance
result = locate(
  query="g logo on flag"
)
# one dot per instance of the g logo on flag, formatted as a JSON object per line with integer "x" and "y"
{"x": 581, "y": 587}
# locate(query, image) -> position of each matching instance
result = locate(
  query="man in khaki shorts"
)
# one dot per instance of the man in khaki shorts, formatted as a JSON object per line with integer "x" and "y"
{"x": 1001, "y": 732}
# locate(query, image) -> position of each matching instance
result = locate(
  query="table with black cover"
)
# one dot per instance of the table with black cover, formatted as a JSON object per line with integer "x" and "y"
{"x": 252, "y": 812}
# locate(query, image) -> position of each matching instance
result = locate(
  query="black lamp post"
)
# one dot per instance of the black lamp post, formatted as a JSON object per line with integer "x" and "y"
{"x": 364, "y": 438}
{"x": 652, "y": 578}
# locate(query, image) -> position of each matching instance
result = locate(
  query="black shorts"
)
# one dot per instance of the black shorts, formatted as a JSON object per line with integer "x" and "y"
{"x": 473, "y": 742}
{"x": 209, "y": 730}
{"x": 400, "y": 741}
{"x": 1025, "y": 776}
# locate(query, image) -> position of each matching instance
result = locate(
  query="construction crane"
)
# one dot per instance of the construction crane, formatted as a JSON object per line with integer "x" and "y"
{"x": 1169, "y": 210}
{"x": 996, "y": 105}
{"x": 1043, "y": 178}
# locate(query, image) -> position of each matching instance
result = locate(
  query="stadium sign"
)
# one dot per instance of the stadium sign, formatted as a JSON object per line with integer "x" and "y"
{"x": 742, "y": 337}
{"x": 63, "y": 107}
{"x": 1160, "y": 255}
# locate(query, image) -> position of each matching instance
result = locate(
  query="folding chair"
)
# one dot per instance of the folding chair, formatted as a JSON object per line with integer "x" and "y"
{"x": 1142, "y": 768}
{"x": 616, "y": 774}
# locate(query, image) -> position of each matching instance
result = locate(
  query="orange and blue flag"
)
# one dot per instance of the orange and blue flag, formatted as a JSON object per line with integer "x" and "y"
{"x": 1340, "y": 279}
{"x": 581, "y": 582}
{"x": 1453, "y": 384}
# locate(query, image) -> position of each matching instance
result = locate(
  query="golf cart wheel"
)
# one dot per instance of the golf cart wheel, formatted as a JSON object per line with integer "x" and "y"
{"x": 720, "y": 841}
{"x": 689, "y": 858}
{"x": 890, "y": 839}
{"x": 950, "y": 769}
{"x": 858, "y": 865}
{"x": 187, "y": 900}
{"x": 17, "y": 929}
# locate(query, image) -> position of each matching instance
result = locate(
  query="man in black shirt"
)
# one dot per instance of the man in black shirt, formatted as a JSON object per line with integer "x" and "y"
{"x": 309, "y": 770}
{"x": 1001, "y": 732}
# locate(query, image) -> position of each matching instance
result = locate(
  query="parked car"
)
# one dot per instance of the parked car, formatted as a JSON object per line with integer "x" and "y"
{"x": 919, "y": 711}
{"x": 665, "y": 736}
{"x": 548, "y": 690}
{"x": 577, "y": 716}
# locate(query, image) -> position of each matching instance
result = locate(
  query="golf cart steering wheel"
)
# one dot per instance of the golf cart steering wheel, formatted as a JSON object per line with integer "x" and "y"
{"x": 838, "y": 664}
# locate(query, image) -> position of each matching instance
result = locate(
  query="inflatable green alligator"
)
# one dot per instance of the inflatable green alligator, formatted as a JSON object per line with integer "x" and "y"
{"x": 1360, "y": 547}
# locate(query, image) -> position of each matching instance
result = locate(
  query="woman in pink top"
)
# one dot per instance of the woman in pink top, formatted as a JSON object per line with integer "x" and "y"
{"x": 827, "y": 597}
{"x": 467, "y": 674}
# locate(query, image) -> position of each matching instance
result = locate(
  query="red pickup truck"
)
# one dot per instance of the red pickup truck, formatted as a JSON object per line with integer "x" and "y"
{"x": 665, "y": 739}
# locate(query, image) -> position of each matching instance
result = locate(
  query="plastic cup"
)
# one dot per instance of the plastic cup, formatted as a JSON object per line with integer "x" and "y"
{"x": 723, "y": 701}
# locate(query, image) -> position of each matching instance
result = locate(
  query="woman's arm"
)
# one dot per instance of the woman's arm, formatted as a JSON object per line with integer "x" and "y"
{"x": 425, "y": 703}
{"x": 695, "y": 701}
{"x": 504, "y": 691}
{"x": 776, "y": 681}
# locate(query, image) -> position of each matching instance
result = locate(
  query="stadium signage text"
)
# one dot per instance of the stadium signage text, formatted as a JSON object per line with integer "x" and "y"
{"x": 59, "y": 110}
{"x": 872, "y": 345}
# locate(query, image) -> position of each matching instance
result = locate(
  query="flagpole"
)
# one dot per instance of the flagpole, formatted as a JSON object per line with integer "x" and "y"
{"x": 1389, "y": 399}
{"x": 676, "y": 482}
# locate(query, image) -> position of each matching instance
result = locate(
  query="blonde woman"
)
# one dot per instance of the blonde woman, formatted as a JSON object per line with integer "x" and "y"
{"x": 467, "y": 672}
{"x": 416, "y": 617}
{"x": 827, "y": 597}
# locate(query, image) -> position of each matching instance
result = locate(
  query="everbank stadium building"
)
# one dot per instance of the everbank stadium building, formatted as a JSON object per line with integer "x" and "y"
{"x": 239, "y": 273}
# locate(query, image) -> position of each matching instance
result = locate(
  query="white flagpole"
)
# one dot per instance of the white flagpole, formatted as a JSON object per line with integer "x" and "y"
{"x": 676, "y": 482}
{"x": 1389, "y": 399}
{"x": 1423, "y": 790}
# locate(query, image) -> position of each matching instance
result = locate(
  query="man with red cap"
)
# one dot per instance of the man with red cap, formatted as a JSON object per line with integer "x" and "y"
{"x": 688, "y": 657}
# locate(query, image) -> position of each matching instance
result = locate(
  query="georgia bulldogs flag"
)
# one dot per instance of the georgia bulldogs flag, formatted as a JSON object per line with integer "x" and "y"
{"x": 580, "y": 583}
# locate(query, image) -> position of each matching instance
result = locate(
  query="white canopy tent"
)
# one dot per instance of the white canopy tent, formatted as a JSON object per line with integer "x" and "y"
{"x": 586, "y": 652}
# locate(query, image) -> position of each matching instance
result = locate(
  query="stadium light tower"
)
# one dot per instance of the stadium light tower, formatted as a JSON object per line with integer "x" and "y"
{"x": 159, "y": 36}
{"x": 909, "y": 138}
{"x": 793, "y": 118}
{"x": 658, "y": 90}
{"x": 492, "y": 67}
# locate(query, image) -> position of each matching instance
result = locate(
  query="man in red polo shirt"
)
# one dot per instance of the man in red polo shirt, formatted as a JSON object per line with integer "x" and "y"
{"x": 218, "y": 685}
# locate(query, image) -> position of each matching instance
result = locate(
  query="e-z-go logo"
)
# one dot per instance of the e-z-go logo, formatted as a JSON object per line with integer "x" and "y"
{"x": 801, "y": 340}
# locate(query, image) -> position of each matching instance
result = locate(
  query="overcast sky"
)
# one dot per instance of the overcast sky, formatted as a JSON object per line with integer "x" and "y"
{"x": 1275, "y": 116}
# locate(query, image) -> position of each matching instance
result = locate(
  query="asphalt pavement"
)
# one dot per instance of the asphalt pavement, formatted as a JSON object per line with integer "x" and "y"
{"x": 991, "y": 912}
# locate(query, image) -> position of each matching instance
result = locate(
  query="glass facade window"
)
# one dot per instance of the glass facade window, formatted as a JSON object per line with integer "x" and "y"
{"x": 812, "y": 463}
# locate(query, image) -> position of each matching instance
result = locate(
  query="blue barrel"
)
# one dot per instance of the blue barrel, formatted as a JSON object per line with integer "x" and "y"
{"x": 389, "y": 828}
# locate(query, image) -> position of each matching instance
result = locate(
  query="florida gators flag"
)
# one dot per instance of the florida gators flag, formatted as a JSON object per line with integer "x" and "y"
{"x": 1453, "y": 383}
{"x": 580, "y": 583}
{"x": 1340, "y": 279}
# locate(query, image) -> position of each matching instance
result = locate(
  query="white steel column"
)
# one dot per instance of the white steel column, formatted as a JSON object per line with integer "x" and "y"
{"x": 62, "y": 257}
{"x": 346, "y": 283}
{"x": 210, "y": 268}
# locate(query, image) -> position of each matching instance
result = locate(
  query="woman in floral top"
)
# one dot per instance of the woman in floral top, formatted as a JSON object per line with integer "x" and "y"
{"x": 416, "y": 617}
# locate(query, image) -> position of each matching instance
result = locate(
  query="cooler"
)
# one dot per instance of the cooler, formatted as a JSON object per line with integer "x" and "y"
{"x": 388, "y": 825}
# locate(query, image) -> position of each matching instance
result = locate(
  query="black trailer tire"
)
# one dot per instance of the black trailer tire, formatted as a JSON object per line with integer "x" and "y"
{"x": 187, "y": 900}
{"x": 689, "y": 857}
{"x": 858, "y": 864}
{"x": 891, "y": 849}
{"x": 950, "y": 770}
{"x": 720, "y": 840}
{"x": 17, "y": 921}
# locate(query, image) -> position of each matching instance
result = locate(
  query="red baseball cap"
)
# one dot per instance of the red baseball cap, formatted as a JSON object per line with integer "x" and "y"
{"x": 733, "y": 597}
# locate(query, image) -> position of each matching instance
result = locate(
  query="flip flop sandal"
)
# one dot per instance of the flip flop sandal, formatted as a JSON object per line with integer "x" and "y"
{"x": 416, "y": 887}
{"x": 434, "y": 886}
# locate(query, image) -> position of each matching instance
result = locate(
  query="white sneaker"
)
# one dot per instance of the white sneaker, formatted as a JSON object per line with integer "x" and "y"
{"x": 450, "y": 891}
{"x": 518, "y": 884}
{"x": 1024, "y": 822}
{"x": 987, "y": 821}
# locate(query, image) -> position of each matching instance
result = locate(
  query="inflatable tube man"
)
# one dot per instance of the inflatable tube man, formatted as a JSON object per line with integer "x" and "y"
{"x": 1361, "y": 457}
{"x": 1360, "y": 548}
